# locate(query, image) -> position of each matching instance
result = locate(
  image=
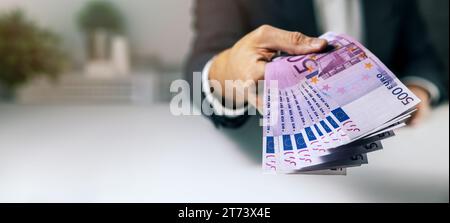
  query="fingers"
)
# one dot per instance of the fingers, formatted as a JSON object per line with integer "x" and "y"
{"x": 259, "y": 104}
{"x": 290, "y": 42}
{"x": 266, "y": 55}
{"x": 421, "y": 114}
{"x": 423, "y": 109}
{"x": 256, "y": 101}
{"x": 255, "y": 73}
{"x": 250, "y": 55}
{"x": 260, "y": 71}
{"x": 415, "y": 119}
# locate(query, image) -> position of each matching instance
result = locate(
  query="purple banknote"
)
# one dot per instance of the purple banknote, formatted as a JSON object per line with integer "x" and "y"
{"x": 318, "y": 102}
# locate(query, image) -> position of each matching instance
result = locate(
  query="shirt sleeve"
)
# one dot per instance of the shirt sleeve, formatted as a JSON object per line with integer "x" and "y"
{"x": 217, "y": 105}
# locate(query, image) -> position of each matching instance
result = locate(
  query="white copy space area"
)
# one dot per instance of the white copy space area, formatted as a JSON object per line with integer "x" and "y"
{"x": 144, "y": 154}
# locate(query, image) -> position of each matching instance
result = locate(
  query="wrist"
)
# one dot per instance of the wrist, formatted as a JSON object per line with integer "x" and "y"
{"x": 221, "y": 73}
{"x": 218, "y": 73}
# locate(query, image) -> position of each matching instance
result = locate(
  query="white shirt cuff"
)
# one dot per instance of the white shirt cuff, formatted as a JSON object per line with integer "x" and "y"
{"x": 432, "y": 89}
{"x": 216, "y": 104}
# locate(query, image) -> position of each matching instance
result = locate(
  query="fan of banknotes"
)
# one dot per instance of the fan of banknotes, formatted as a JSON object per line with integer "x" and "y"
{"x": 327, "y": 111}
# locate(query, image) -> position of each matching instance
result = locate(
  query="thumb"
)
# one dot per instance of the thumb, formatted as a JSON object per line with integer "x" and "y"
{"x": 294, "y": 43}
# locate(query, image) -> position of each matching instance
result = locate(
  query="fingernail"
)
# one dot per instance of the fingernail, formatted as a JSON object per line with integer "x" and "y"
{"x": 318, "y": 43}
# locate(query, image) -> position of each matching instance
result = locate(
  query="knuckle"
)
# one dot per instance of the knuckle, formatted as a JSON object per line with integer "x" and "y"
{"x": 263, "y": 30}
{"x": 297, "y": 38}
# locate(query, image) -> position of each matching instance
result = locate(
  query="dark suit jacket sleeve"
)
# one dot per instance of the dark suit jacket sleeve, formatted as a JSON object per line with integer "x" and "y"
{"x": 218, "y": 25}
{"x": 421, "y": 59}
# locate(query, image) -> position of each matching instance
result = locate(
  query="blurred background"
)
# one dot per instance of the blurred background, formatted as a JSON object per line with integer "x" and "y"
{"x": 153, "y": 38}
{"x": 125, "y": 51}
{"x": 84, "y": 117}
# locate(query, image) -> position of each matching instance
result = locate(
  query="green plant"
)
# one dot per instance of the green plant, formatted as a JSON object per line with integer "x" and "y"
{"x": 26, "y": 50}
{"x": 100, "y": 14}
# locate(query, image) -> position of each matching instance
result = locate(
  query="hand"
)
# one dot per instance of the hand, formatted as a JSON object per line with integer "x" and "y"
{"x": 246, "y": 60}
{"x": 423, "y": 109}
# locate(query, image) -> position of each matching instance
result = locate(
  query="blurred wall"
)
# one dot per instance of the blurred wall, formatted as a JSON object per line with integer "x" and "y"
{"x": 156, "y": 28}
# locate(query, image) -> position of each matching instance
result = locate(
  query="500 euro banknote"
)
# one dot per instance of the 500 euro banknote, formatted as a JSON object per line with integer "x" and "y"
{"x": 314, "y": 103}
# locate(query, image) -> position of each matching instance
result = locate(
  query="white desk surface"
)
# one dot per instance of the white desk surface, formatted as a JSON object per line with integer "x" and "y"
{"x": 143, "y": 154}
